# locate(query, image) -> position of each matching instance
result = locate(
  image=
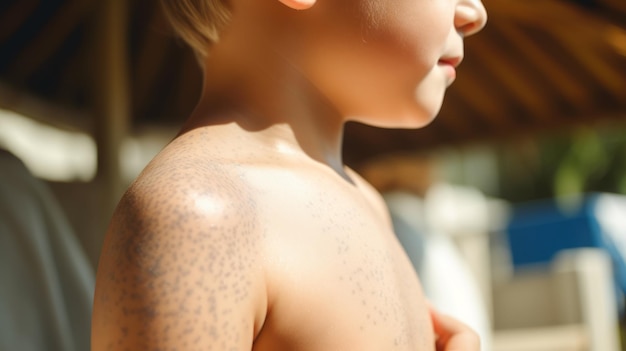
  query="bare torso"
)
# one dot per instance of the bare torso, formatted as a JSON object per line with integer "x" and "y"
{"x": 306, "y": 260}
{"x": 342, "y": 280}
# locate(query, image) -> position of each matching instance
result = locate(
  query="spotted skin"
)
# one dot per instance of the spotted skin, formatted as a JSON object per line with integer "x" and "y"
{"x": 204, "y": 253}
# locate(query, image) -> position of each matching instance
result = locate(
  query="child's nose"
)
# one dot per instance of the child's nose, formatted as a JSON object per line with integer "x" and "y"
{"x": 470, "y": 17}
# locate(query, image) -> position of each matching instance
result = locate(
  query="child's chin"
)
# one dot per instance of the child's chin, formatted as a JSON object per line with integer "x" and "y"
{"x": 419, "y": 117}
{"x": 415, "y": 124}
{"x": 410, "y": 121}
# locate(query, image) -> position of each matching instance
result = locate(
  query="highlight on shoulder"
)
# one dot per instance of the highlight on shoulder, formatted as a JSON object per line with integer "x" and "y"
{"x": 180, "y": 264}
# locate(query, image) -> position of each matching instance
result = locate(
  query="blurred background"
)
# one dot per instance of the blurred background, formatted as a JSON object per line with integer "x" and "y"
{"x": 517, "y": 189}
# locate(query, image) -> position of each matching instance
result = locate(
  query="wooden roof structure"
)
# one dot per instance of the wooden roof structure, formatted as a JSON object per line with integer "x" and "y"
{"x": 539, "y": 64}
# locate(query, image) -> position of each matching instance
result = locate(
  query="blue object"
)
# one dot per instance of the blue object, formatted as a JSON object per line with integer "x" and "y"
{"x": 539, "y": 230}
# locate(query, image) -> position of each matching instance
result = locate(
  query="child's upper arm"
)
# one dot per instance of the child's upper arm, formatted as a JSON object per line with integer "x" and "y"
{"x": 180, "y": 271}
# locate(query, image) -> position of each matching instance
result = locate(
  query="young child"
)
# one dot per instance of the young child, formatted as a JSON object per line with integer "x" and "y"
{"x": 247, "y": 232}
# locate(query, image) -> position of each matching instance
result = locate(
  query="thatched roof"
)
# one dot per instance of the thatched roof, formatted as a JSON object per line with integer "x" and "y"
{"x": 538, "y": 65}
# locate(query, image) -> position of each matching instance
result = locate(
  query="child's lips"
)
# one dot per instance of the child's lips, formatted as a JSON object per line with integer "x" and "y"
{"x": 453, "y": 61}
{"x": 449, "y": 66}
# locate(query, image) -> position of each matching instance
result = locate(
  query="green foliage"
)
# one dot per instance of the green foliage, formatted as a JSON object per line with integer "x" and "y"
{"x": 585, "y": 160}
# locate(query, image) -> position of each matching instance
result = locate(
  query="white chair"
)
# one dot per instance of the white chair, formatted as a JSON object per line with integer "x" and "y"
{"x": 568, "y": 307}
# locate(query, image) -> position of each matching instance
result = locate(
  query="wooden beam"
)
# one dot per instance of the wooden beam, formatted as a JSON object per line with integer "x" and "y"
{"x": 616, "y": 38}
{"x": 14, "y": 17}
{"x": 590, "y": 56}
{"x": 49, "y": 39}
{"x": 456, "y": 116}
{"x": 535, "y": 55}
{"x": 482, "y": 97}
{"x": 528, "y": 11}
{"x": 112, "y": 97}
{"x": 151, "y": 58}
{"x": 509, "y": 71}
{"x": 618, "y": 6}
{"x": 73, "y": 72}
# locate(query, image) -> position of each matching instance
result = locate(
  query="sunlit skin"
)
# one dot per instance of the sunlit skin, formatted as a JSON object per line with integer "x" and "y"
{"x": 247, "y": 232}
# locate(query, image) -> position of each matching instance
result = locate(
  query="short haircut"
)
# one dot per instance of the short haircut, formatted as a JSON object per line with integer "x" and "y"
{"x": 197, "y": 22}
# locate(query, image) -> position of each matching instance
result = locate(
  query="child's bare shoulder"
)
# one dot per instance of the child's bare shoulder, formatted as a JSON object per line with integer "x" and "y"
{"x": 181, "y": 259}
{"x": 185, "y": 173}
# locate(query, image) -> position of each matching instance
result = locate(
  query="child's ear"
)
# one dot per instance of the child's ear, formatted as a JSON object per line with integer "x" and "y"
{"x": 298, "y": 4}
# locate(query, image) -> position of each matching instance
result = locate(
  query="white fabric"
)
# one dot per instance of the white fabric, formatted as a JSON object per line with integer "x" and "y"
{"x": 451, "y": 287}
{"x": 446, "y": 278}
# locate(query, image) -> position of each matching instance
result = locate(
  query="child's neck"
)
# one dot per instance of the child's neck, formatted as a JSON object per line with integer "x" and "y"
{"x": 263, "y": 92}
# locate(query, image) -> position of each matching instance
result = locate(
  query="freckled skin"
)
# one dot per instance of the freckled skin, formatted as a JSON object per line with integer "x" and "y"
{"x": 177, "y": 273}
{"x": 217, "y": 248}
{"x": 247, "y": 232}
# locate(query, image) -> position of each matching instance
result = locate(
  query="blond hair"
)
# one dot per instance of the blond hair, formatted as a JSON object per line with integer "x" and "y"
{"x": 197, "y": 22}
